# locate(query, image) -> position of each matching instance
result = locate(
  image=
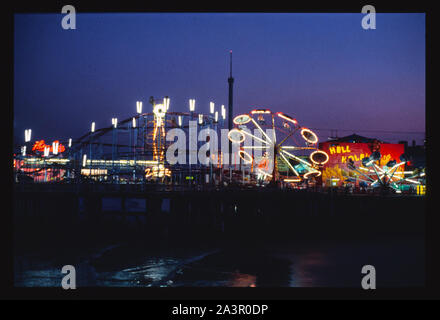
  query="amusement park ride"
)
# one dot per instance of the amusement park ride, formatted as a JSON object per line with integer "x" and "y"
{"x": 268, "y": 148}
{"x": 279, "y": 149}
{"x": 129, "y": 151}
{"x": 387, "y": 177}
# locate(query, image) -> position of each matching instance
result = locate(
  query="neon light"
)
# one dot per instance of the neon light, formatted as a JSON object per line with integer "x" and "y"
{"x": 41, "y": 146}
{"x": 243, "y": 153}
{"x": 262, "y": 131}
{"x": 412, "y": 181}
{"x": 241, "y": 119}
{"x": 310, "y": 132}
{"x": 251, "y": 135}
{"x": 234, "y": 132}
{"x": 306, "y": 176}
{"x": 157, "y": 171}
{"x": 148, "y": 173}
{"x": 298, "y": 148}
{"x": 159, "y": 110}
{"x": 84, "y": 160}
{"x": 292, "y": 180}
{"x": 377, "y": 180}
{"x": 286, "y": 117}
{"x": 319, "y": 152}
{"x": 256, "y": 147}
{"x": 261, "y": 111}
{"x": 133, "y": 122}
{"x": 289, "y": 164}
{"x": 297, "y": 158}
{"x": 211, "y": 107}
{"x": 93, "y": 127}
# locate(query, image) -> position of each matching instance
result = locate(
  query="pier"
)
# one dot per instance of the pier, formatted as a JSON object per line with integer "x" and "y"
{"x": 225, "y": 216}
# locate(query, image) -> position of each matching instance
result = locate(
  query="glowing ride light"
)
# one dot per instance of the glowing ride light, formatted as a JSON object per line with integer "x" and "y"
{"x": 309, "y": 135}
{"x": 297, "y": 158}
{"x": 84, "y": 162}
{"x": 262, "y": 131}
{"x": 133, "y": 122}
{"x": 216, "y": 116}
{"x": 200, "y": 118}
{"x": 241, "y": 119}
{"x": 280, "y": 149}
{"x": 289, "y": 164}
{"x": 261, "y": 111}
{"x": 232, "y": 136}
{"x": 247, "y": 158}
{"x": 312, "y": 173}
{"x": 386, "y": 176}
{"x": 317, "y": 153}
{"x": 286, "y": 117}
{"x": 179, "y": 118}
{"x": 23, "y": 150}
{"x": 159, "y": 110}
{"x": 298, "y": 179}
{"x": 70, "y": 142}
{"x": 211, "y": 107}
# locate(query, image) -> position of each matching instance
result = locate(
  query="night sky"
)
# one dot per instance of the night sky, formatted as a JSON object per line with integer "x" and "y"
{"x": 322, "y": 69}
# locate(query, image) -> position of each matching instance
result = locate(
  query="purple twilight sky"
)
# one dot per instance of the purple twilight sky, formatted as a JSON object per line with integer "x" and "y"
{"x": 322, "y": 69}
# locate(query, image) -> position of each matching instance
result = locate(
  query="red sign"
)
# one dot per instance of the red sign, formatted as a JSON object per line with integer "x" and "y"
{"x": 41, "y": 145}
{"x": 336, "y": 169}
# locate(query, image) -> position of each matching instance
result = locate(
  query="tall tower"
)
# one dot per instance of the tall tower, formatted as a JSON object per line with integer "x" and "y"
{"x": 230, "y": 102}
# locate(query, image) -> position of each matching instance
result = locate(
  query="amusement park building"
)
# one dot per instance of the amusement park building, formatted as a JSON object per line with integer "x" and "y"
{"x": 353, "y": 148}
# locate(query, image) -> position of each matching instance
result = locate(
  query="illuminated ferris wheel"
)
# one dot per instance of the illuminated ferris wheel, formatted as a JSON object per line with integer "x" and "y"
{"x": 277, "y": 147}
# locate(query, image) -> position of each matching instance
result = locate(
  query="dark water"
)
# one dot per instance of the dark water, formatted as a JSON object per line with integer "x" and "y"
{"x": 399, "y": 262}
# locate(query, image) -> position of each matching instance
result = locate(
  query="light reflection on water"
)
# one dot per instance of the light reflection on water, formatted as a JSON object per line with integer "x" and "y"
{"x": 401, "y": 263}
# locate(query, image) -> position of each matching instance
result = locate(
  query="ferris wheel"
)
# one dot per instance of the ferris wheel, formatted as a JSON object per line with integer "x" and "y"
{"x": 277, "y": 147}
